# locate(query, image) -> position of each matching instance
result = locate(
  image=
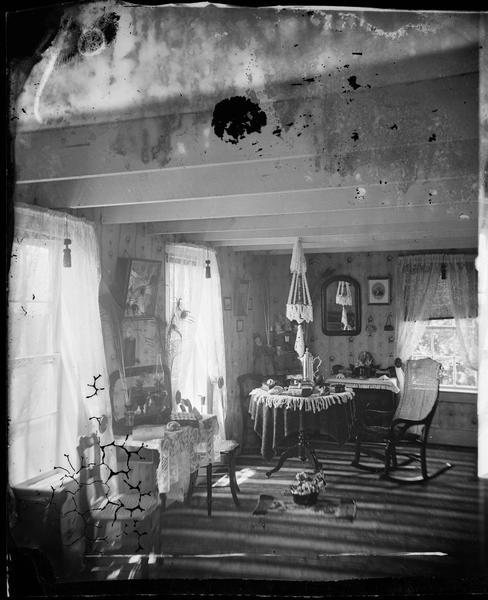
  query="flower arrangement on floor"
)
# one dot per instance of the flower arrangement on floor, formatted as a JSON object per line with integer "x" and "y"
{"x": 307, "y": 489}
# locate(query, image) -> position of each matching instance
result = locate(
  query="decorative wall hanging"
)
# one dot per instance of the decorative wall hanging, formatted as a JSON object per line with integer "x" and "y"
{"x": 67, "y": 250}
{"x": 240, "y": 325}
{"x": 208, "y": 274}
{"x": 299, "y": 304}
{"x": 379, "y": 290}
{"x": 136, "y": 286}
{"x": 227, "y": 303}
{"x": 370, "y": 327}
{"x": 388, "y": 324}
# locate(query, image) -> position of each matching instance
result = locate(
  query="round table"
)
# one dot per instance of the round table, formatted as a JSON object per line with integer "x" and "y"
{"x": 314, "y": 403}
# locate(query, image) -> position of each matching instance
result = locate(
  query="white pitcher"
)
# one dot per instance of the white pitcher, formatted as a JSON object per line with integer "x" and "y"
{"x": 310, "y": 365}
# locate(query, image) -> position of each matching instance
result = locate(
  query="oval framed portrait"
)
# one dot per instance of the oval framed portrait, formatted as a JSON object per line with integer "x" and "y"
{"x": 379, "y": 290}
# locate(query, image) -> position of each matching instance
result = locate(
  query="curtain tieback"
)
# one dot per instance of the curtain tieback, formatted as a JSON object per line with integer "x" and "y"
{"x": 218, "y": 381}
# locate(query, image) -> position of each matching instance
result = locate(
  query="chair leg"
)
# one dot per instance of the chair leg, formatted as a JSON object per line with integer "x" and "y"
{"x": 424, "y": 474}
{"x": 367, "y": 451}
{"x": 390, "y": 457}
{"x": 357, "y": 452}
{"x": 423, "y": 461}
{"x": 209, "y": 489}
{"x": 394, "y": 460}
{"x": 232, "y": 478}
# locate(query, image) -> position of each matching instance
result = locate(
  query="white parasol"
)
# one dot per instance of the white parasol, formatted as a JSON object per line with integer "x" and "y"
{"x": 299, "y": 305}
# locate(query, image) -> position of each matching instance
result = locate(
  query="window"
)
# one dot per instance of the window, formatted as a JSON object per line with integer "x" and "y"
{"x": 440, "y": 342}
{"x": 55, "y": 344}
{"x": 195, "y": 336}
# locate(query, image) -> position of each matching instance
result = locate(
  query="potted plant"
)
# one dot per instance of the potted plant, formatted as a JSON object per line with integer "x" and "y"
{"x": 307, "y": 488}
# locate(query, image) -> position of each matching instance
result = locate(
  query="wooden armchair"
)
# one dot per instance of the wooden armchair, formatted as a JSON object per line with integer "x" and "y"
{"x": 407, "y": 435}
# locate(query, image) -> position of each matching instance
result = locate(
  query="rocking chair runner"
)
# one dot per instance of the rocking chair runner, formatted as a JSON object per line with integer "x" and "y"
{"x": 408, "y": 430}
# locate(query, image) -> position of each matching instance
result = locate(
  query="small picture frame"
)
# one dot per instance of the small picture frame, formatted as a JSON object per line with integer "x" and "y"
{"x": 227, "y": 303}
{"x": 250, "y": 303}
{"x": 240, "y": 325}
{"x": 379, "y": 290}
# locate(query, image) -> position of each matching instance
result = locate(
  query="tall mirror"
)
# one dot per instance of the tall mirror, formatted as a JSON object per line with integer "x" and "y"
{"x": 341, "y": 306}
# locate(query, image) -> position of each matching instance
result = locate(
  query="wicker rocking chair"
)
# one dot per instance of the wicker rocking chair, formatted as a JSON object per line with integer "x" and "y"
{"x": 407, "y": 436}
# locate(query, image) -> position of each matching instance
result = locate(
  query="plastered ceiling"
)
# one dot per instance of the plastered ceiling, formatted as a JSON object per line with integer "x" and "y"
{"x": 248, "y": 127}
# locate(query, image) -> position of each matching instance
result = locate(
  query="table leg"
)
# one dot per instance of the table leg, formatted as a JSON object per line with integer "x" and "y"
{"x": 302, "y": 448}
{"x": 283, "y": 456}
{"x": 308, "y": 447}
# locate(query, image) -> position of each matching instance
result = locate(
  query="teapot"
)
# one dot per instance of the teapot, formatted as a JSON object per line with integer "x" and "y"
{"x": 308, "y": 362}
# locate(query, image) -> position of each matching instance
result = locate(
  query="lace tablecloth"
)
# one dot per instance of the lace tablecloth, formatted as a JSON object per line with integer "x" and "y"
{"x": 180, "y": 452}
{"x": 276, "y": 416}
{"x": 314, "y": 403}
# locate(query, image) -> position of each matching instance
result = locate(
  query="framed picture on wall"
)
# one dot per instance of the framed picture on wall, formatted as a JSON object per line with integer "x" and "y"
{"x": 250, "y": 303}
{"x": 379, "y": 290}
{"x": 240, "y": 325}
{"x": 137, "y": 283}
{"x": 227, "y": 303}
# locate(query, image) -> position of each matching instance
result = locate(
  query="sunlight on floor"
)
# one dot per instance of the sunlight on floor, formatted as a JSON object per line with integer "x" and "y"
{"x": 241, "y": 476}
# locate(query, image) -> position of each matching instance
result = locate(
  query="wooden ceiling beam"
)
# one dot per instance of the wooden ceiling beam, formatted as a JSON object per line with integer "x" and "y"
{"x": 347, "y": 240}
{"x": 425, "y": 213}
{"x": 456, "y": 195}
{"x": 385, "y": 245}
{"x": 456, "y": 226}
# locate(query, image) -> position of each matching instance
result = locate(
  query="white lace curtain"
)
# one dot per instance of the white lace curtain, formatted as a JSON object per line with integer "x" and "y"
{"x": 195, "y": 327}
{"x": 417, "y": 280}
{"x": 57, "y": 374}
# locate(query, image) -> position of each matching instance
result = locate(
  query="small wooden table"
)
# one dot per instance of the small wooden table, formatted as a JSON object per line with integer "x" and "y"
{"x": 181, "y": 452}
{"x": 312, "y": 404}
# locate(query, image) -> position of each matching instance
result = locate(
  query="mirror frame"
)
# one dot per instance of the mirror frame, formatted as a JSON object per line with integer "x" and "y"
{"x": 357, "y": 305}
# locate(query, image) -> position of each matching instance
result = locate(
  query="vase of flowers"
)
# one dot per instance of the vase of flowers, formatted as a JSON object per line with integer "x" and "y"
{"x": 306, "y": 490}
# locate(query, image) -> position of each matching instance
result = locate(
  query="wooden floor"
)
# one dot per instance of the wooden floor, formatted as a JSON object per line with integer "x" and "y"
{"x": 400, "y": 533}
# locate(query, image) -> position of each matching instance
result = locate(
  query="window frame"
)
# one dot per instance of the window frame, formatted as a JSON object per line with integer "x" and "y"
{"x": 448, "y": 387}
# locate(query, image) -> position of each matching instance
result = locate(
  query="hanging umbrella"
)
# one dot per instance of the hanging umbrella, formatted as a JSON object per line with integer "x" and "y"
{"x": 299, "y": 305}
